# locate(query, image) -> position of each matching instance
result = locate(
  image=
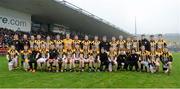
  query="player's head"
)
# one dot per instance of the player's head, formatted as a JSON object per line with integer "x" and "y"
{"x": 25, "y": 47}
{"x": 25, "y": 37}
{"x": 57, "y": 37}
{"x": 32, "y": 37}
{"x": 151, "y": 37}
{"x": 76, "y": 37}
{"x": 16, "y": 37}
{"x": 96, "y": 38}
{"x": 12, "y": 47}
{"x": 86, "y": 37}
{"x": 135, "y": 38}
{"x": 38, "y": 37}
{"x": 133, "y": 51}
{"x": 142, "y": 36}
{"x": 48, "y": 38}
{"x": 104, "y": 38}
{"x": 160, "y": 36}
{"x": 128, "y": 38}
{"x": 67, "y": 36}
{"x": 120, "y": 37}
{"x": 142, "y": 48}
{"x": 113, "y": 38}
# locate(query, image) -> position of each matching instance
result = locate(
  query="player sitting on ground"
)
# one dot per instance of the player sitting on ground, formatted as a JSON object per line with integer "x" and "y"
{"x": 60, "y": 56}
{"x": 33, "y": 58}
{"x": 12, "y": 57}
{"x": 44, "y": 55}
{"x": 154, "y": 59}
{"x": 112, "y": 59}
{"x": 52, "y": 61}
{"x": 25, "y": 57}
{"x": 144, "y": 59}
{"x": 76, "y": 57}
{"x": 121, "y": 60}
{"x": 96, "y": 57}
{"x": 166, "y": 59}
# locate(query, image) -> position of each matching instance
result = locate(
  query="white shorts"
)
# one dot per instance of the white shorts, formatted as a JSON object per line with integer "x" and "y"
{"x": 41, "y": 60}
{"x": 145, "y": 63}
{"x": 13, "y": 61}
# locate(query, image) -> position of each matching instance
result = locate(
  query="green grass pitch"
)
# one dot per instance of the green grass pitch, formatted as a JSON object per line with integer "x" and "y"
{"x": 127, "y": 79}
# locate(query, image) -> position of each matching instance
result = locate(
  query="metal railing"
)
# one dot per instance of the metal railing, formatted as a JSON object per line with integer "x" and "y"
{"x": 74, "y": 7}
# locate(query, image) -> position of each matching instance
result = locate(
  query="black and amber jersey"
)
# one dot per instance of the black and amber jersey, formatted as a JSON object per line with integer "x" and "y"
{"x": 68, "y": 51}
{"x": 58, "y": 42}
{"x": 95, "y": 44}
{"x": 154, "y": 55}
{"x": 153, "y": 43}
{"x": 76, "y": 42}
{"x": 86, "y": 43}
{"x": 121, "y": 44}
{"x": 12, "y": 53}
{"x": 77, "y": 52}
{"x": 166, "y": 57}
{"x": 144, "y": 55}
{"x": 38, "y": 42}
{"x": 43, "y": 52}
{"x": 48, "y": 43}
{"x": 94, "y": 53}
{"x": 160, "y": 45}
{"x": 26, "y": 54}
{"x": 85, "y": 53}
{"x": 135, "y": 45}
{"x": 128, "y": 45}
{"x": 112, "y": 54}
{"x": 113, "y": 44}
{"x": 61, "y": 53}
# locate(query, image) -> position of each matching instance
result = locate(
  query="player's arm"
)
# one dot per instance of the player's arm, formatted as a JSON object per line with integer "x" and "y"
{"x": 7, "y": 57}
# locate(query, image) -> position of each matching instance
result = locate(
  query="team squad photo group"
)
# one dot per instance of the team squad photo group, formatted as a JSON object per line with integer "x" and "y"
{"x": 54, "y": 54}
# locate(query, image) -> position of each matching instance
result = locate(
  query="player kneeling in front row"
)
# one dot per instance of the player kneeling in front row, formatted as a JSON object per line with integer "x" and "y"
{"x": 166, "y": 59}
{"x": 121, "y": 59}
{"x": 44, "y": 55}
{"x": 77, "y": 58}
{"x": 154, "y": 61}
{"x": 52, "y": 62}
{"x": 96, "y": 63}
{"x": 67, "y": 59}
{"x": 112, "y": 60}
{"x": 26, "y": 57}
{"x": 33, "y": 59}
{"x": 12, "y": 57}
{"x": 144, "y": 59}
{"x": 133, "y": 60}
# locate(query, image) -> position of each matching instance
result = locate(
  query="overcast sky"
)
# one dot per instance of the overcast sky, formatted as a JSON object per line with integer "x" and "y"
{"x": 153, "y": 16}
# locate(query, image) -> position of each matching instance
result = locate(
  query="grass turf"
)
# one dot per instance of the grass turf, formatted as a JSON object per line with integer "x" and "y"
{"x": 127, "y": 79}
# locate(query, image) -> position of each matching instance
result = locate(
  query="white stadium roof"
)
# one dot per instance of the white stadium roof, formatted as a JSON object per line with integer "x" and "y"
{"x": 62, "y": 12}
